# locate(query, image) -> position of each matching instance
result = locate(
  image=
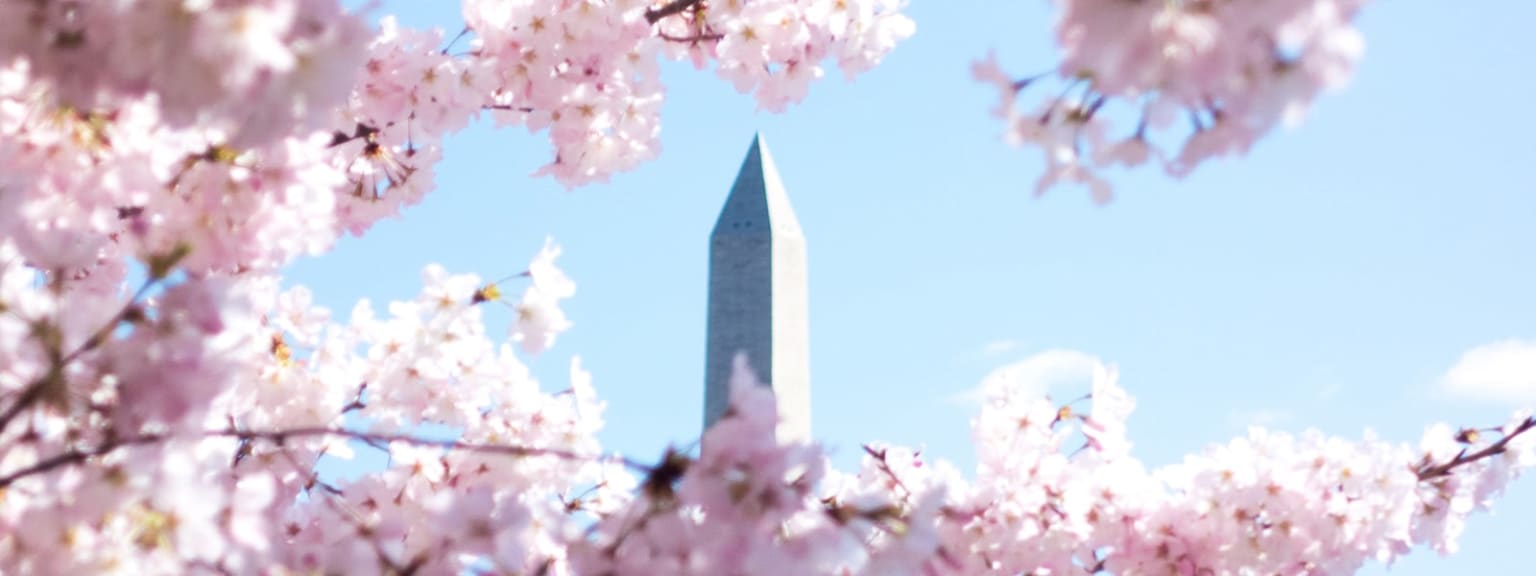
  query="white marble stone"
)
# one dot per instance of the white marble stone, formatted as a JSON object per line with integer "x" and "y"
{"x": 757, "y": 296}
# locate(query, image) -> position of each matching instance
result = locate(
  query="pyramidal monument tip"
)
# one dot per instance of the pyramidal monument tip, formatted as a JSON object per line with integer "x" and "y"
{"x": 758, "y": 296}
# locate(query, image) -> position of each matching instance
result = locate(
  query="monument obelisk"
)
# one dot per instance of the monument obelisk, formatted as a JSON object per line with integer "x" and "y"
{"x": 757, "y": 296}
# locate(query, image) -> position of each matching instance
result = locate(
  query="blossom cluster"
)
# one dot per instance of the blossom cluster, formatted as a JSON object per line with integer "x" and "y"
{"x": 186, "y": 430}
{"x": 253, "y": 69}
{"x": 1133, "y": 73}
{"x": 256, "y": 131}
{"x": 587, "y": 70}
{"x": 160, "y": 161}
{"x": 1054, "y": 492}
{"x": 214, "y": 467}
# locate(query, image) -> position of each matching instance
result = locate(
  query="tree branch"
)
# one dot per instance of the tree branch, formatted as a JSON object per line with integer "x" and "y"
{"x": 1430, "y": 472}
{"x": 29, "y": 396}
{"x": 673, "y": 8}
{"x": 694, "y": 39}
{"x": 508, "y": 107}
{"x": 58, "y": 360}
{"x": 76, "y": 457}
{"x": 357, "y": 399}
{"x": 279, "y": 437}
{"x": 885, "y": 467}
{"x": 455, "y": 40}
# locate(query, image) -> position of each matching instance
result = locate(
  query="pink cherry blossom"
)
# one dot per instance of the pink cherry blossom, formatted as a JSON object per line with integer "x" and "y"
{"x": 182, "y": 423}
{"x": 1235, "y": 70}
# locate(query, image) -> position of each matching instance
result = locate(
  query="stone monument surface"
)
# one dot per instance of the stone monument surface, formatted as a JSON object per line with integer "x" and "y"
{"x": 757, "y": 296}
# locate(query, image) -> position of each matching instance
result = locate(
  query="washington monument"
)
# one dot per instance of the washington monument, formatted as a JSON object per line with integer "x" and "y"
{"x": 757, "y": 296}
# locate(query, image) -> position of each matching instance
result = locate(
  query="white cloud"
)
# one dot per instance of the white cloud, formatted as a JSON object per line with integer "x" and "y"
{"x": 1000, "y": 346}
{"x": 1037, "y": 375}
{"x": 1502, "y": 371}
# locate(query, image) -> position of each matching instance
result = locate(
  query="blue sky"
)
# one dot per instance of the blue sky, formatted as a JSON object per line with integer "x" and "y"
{"x": 1329, "y": 280}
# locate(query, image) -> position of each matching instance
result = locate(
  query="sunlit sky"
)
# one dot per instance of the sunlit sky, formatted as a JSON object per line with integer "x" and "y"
{"x": 1329, "y": 280}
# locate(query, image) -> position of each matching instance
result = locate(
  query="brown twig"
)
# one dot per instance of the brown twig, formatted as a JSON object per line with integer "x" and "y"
{"x": 694, "y": 39}
{"x": 75, "y": 457}
{"x": 29, "y": 396}
{"x": 507, "y": 107}
{"x": 455, "y": 40}
{"x": 58, "y": 361}
{"x": 360, "y": 132}
{"x": 357, "y": 399}
{"x": 279, "y": 437}
{"x": 1429, "y": 472}
{"x": 675, "y": 7}
{"x": 879, "y": 456}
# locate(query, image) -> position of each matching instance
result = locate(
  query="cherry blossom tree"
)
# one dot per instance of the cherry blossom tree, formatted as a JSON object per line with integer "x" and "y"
{"x": 164, "y": 402}
{"x": 1229, "y": 71}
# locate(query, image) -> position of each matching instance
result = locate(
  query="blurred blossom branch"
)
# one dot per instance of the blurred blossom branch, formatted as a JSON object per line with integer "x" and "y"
{"x": 280, "y": 437}
{"x": 1430, "y": 471}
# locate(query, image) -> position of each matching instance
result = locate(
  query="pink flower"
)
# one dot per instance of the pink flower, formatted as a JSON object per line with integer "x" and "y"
{"x": 1066, "y": 168}
{"x": 547, "y": 278}
{"x": 1105, "y": 426}
{"x": 539, "y": 321}
{"x": 1131, "y": 152}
